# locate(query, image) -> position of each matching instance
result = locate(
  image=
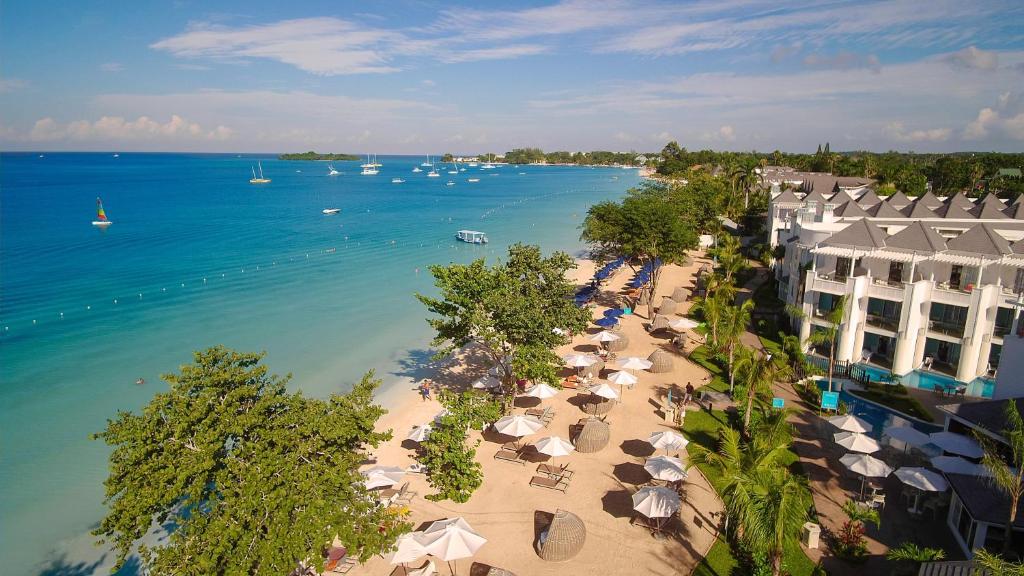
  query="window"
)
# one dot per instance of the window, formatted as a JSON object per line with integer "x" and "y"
{"x": 964, "y": 524}
{"x": 843, "y": 267}
{"x": 955, "y": 275}
{"x": 896, "y": 272}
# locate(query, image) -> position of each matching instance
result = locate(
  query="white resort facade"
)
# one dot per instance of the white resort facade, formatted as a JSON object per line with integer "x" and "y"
{"x": 933, "y": 285}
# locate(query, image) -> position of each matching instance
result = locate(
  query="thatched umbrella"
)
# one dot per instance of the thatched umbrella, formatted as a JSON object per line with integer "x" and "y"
{"x": 661, "y": 361}
{"x": 619, "y": 345}
{"x": 593, "y": 437}
{"x": 681, "y": 294}
{"x": 660, "y": 322}
{"x": 565, "y": 537}
{"x": 668, "y": 306}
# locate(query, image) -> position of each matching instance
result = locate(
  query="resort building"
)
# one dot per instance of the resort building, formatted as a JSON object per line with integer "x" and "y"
{"x": 780, "y": 178}
{"x": 932, "y": 285}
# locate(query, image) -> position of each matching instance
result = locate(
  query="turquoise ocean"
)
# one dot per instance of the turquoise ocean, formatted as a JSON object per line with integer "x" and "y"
{"x": 198, "y": 256}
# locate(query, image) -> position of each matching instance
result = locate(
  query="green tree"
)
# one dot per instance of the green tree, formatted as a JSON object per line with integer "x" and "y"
{"x": 730, "y": 259}
{"x": 1007, "y": 477}
{"x": 830, "y": 333}
{"x": 757, "y": 374}
{"x": 254, "y": 478}
{"x": 996, "y": 565}
{"x": 509, "y": 309}
{"x": 452, "y": 469}
{"x": 646, "y": 226}
{"x": 912, "y": 556}
{"x": 734, "y": 323}
{"x": 776, "y": 512}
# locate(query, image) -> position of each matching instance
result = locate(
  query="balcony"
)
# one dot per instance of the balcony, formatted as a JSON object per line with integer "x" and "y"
{"x": 951, "y": 296}
{"x": 884, "y": 322}
{"x": 879, "y": 288}
{"x": 999, "y": 331}
{"x": 948, "y": 328}
{"x": 825, "y": 283}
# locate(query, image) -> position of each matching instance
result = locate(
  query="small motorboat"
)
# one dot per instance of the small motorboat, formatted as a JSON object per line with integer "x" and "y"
{"x": 331, "y": 171}
{"x": 474, "y": 179}
{"x": 397, "y": 180}
{"x": 417, "y": 169}
{"x": 331, "y": 210}
{"x": 450, "y": 183}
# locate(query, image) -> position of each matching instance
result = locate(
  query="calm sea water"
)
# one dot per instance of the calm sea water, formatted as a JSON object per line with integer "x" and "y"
{"x": 198, "y": 256}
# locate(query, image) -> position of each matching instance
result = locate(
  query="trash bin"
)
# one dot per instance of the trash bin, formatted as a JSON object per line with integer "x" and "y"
{"x": 810, "y": 536}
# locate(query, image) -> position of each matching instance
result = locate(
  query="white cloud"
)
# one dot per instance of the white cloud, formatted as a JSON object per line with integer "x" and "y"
{"x": 843, "y": 60}
{"x": 497, "y": 53}
{"x": 896, "y": 131}
{"x": 117, "y": 129}
{"x": 972, "y": 57}
{"x": 1005, "y": 120}
{"x": 112, "y": 67}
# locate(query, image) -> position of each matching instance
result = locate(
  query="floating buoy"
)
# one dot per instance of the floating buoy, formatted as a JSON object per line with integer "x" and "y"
{"x": 115, "y": 300}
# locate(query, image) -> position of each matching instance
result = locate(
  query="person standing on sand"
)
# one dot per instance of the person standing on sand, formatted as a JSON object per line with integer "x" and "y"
{"x": 425, "y": 390}
{"x": 689, "y": 394}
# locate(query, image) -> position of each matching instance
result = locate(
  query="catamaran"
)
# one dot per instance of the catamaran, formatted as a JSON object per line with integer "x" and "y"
{"x": 101, "y": 216}
{"x": 370, "y": 168}
{"x": 261, "y": 179}
{"x": 471, "y": 236}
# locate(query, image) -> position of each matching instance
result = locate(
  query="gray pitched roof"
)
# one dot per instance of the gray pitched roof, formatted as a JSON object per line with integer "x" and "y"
{"x": 917, "y": 237}
{"x": 989, "y": 415}
{"x": 989, "y": 211}
{"x": 984, "y": 503}
{"x": 991, "y": 198}
{"x": 868, "y": 199}
{"x": 861, "y": 234}
{"x": 840, "y": 197}
{"x": 898, "y": 200}
{"x": 1017, "y": 247}
{"x": 945, "y": 211}
{"x": 960, "y": 201}
{"x": 918, "y": 210}
{"x": 930, "y": 200}
{"x": 885, "y": 210}
{"x": 816, "y": 196}
{"x": 1019, "y": 200}
{"x": 851, "y": 209}
{"x": 1015, "y": 211}
{"x": 980, "y": 239}
{"x": 787, "y": 196}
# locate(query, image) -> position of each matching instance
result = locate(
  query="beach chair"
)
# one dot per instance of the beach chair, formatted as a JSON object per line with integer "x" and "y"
{"x": 554, "y": 471}
{"x": 654, "y": 526}
{"x": 509, "y": 456}
{"x": 387, "y": 495}
{"x": 428, "y": 569}
{"x": 404, "y": 496}
{"x": 560, "y": 484}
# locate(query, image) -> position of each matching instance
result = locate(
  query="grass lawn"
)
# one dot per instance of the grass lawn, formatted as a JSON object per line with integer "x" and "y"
{"x": 701, "y": 356}
{"x": 905, "y": 404}
{"x": 718, "y": 562}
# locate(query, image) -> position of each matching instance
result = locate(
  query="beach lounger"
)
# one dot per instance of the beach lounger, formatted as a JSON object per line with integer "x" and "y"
{"x": 509, "y": 456}
{"x": 554, "y": 471}
{"x": 428, "y": 569}
{"x": 560, "y": 484}
{"x": 389, "y": 494}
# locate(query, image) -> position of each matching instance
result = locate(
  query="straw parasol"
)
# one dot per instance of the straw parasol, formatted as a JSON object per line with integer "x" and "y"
{"x": 956, "y": 444}
{"x": 593, "y": 437}
{"x": 563, "y": 538}
{"x": 667, "y": 440}
{"x": 382, "y": 476}
{"x": 850, "y": 423}
{"x": 420, "y": 433}
{"x": 660, "y": 322}
{"x": 407, "y": 549}
{"x": 450, "y": 540}
{"x": 681, "y": 294}
{"x": 665, "y": 468}
{"x": 661, "y": 361}
{"x": 668, "y": 306}
{"x": 618, "y": 345}
{"x": 857, "y": 442}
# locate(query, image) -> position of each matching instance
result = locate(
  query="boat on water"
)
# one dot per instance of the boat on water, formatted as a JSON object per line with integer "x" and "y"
{"x": 417, "y": 169}
{"x": 370, "y": 168}
{"x": 101, "y": 216}
{"x": 428, "y": 163}
{"x": 331, "y": 171}
{"x": 472, "y": 164}
{"x": 117, "y": 155}
{"x": 471, "y": 236}
{"x": 331, "y": 210}
{"x": 261, "y": 179}
{"x": 397, "y": 180}
{"x": 450, "y": 183}
{"x": 487, "y": 165}
{"x": 474, "y": 180}
{"x": 433, "y": 174}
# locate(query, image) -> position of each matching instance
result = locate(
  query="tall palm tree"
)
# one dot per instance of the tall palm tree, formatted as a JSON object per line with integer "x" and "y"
{"x": 735, "y": 320}
{"x": 996, "y": 565}
{"x": 776, "y": 512}
{"x": 1008, "y": 477}
{"x": 830, "y": 333}
{"x": 758, "y": 373}
{"x": 712, "y": 308}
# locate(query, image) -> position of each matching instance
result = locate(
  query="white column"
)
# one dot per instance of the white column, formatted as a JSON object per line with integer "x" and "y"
{"x": 852, "y": 327}
{"x": 913, "y": 318}
{"x": 978, "y": 330}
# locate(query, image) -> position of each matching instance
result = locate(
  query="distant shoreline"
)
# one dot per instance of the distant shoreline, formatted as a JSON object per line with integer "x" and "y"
{"x": 317, "y": 156}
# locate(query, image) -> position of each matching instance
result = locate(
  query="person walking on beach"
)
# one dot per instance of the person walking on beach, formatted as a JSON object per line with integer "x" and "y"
{"x": 689, "y": 394}
{"x": 425, "y": 390}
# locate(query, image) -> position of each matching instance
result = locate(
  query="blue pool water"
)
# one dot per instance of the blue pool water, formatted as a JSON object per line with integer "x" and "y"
{"x": 980, "y": 387}
{"x": 197, "y": 256}
{"x": 878, "y": 416}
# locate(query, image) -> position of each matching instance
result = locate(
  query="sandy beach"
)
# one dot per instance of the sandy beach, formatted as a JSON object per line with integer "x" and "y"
{"x": 505, "y": 508}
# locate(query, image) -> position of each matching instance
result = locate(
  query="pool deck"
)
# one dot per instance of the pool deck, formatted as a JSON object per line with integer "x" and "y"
{"x": 931, "y": 402}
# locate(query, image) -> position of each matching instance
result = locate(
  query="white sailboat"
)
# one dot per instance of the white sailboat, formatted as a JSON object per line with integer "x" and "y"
{"x": 433, "y": 174}
{"x": 487, "y": 165}
{"x": 370, "y": 168}
{"x": 454, "y": 169}
{"x": 417, "y": 169}
{"x": 261, "y": 179}
{"x": 428, "y": 163}
{"x": 331, "y": 171}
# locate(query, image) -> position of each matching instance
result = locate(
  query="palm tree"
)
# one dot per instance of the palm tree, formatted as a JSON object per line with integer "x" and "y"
{"x": 1007, "y": 477}
{"x": 712, "y": 308}
{"x": 776, "y": 513}
{"x": 734, "y": 323}
{"x": 758, "y": 373}
{"x": 830, "y": 333}
{"x": 912, "y": 554}
{"x": 996, "y": 565}
{"x": 729, "y": 257}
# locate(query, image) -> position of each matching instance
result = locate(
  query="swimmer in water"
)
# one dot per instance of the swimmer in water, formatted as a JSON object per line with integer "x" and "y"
{"x": 140, "y": 381}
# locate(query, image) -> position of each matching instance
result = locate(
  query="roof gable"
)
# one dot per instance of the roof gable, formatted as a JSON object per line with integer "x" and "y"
{"x": 868, "y": 199}
{"x": 980, "y": 239}
{"x": 990, "y": 211}
{"x": 851, "y": 209}
{"x": 953, "y": 212}
{"x": 885, "y": 210}
{"x": 1015, "y": 211}
{"x": 991, "y": 198}
{"x": 960, "y": 201}
{"x": 815, "y": 196}
{"x": 787, "y": 196}
{"x": 930, "y": 200}
{"x": 918, "y": 210}
{"x": 898, "y": 200}
{"x": 861, "y": 234}
{"x": 917, "y": 237}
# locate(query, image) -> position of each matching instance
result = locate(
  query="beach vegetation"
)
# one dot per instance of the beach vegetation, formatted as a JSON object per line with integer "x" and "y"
{"x": 247, "y": 477}
{"x": 452, "y": 469}
{"x": 758, "y": 374}
{"x": 909, "y": 556}
{"x": 311, "y": 155}
{"x": 515, "y": 311}
{"x": 996, "y": 564}
{"x": 648, "y": 226}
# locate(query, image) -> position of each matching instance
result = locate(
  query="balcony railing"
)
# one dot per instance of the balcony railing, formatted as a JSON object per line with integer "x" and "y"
{"x": 886, "y": 322}
{"x": 947, "y": 328}
{"x": 999, "y": 331}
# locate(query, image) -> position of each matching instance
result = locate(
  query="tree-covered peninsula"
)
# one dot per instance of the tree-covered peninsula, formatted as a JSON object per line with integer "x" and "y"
{"x": 311, "y": 155}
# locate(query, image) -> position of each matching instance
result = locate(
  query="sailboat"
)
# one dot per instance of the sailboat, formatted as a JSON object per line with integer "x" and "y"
{"x": 433, "y": 173}
{"x": 487, "y": 165}
{"x": 101, "y": 216}
{"x": 417, "y": 169}
{"x": 370, "y": 168}
{"x": 454, "y": 169}
{"x": 261, "y": 179}
{"x": 428, "y": 163}
{"x": 331, "y": 171}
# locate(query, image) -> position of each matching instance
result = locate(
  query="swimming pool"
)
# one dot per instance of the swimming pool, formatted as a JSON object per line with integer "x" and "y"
{"x": 980, "y": 387}
{"x": 878, "y": 416}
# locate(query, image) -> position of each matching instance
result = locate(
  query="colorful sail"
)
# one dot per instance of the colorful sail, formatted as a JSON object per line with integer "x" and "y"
{"x": 100, "y": 214}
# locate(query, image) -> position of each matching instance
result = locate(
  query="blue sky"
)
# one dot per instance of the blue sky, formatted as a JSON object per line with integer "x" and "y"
{"x": 418, "y": 77}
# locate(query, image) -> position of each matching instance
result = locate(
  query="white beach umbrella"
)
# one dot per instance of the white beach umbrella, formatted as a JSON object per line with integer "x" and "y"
{"x": 451, "y": 539}
{"x": 850, "y": 423}
{"x": 634, "y": 363}
{"x": 579, "y": 360}
{"x": 381, "y": 476}
{"x": 656, "y": 501}
{"x": 680, "y": 324}
{"x": 487, "y": 383}
{"x": 922, "y": 479}
{"x": 542, "y": 391}
{"x": 604, "y": 391}
{"x": 857, "y": 442}
{"x": 518, "y": 425}
{"x": 554, "y": 446}
{"x": 407, "y": 548}
{"x": 957, "y": 465}
{"x": 665, "y": 468}
{"x": 419, "y": 433}
{"x": 667, "y": 440}
{"x": 605, "y": 336}
{"x": 866, "y": 466}
{"x": 956, "y": 444}
{"x": 906, "y": 434}
{"x": 622, "y": 378}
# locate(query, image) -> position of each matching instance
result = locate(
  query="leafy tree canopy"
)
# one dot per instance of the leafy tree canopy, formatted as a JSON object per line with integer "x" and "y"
{"x": 253, "y": 478}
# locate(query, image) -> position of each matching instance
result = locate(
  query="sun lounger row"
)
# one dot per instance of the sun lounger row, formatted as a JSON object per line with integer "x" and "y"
{"x": 508, "y": 455}
{"x": 544, "y": 415}
{"x": 551, "y": 483}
